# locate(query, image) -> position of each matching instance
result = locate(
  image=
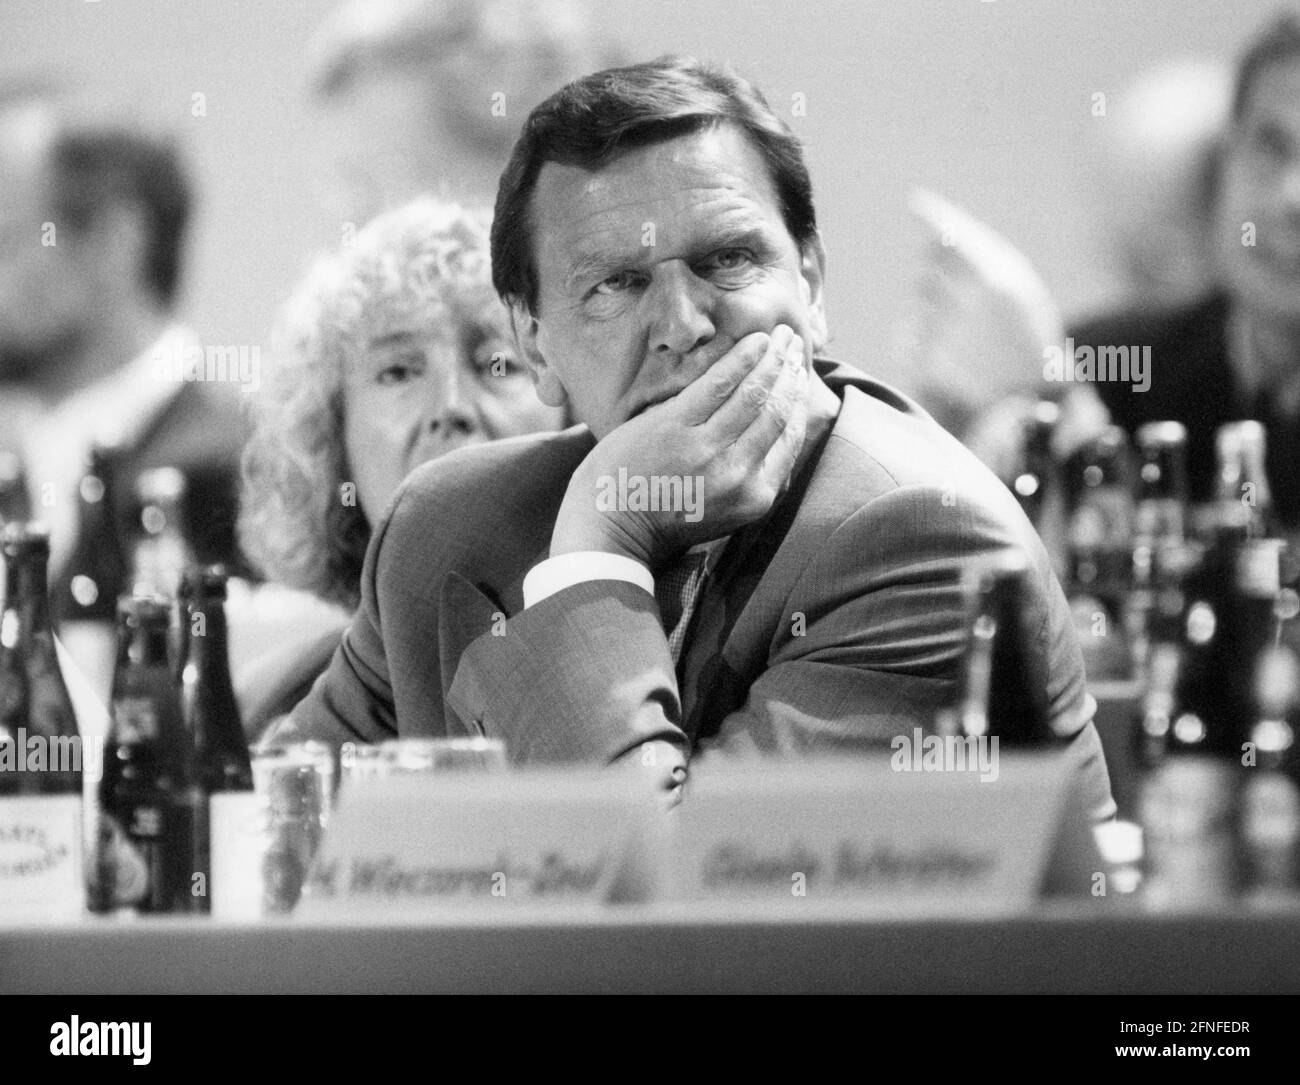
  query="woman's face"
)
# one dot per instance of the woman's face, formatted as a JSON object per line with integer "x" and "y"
{"x": 431, "y": 380}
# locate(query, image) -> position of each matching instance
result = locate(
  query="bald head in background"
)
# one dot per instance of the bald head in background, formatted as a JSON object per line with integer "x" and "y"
{"x": 420, "y": 96}
{"x": 1157, "y": 159}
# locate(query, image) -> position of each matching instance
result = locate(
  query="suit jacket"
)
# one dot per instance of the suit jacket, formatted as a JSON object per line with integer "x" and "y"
{"x": 835, "y": 623}
{"x": 201, "y": 432}
{"x": 1192, "y": 382}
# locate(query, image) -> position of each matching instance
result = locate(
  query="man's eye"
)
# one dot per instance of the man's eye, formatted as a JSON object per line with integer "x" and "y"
{"x": 728, "y": 260}
{"x": 620, "y": 280}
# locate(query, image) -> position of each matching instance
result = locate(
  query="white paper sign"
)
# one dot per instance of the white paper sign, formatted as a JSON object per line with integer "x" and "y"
{"x": 238, "y": 826}
{"x": 905, "y": 841}
{"x": 403, "y": 845}
{"x": 40, "y": 858}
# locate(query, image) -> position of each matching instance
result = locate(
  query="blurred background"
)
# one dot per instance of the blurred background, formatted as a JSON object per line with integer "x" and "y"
{"x": 993, "y": 104}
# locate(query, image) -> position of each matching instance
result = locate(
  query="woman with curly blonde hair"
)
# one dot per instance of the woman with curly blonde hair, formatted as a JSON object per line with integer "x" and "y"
{"x": 392, "y": 351}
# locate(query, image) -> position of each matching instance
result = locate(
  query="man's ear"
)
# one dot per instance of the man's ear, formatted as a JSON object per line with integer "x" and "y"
{"x": 524, "y": 327}
{"x": 812, "y": 276}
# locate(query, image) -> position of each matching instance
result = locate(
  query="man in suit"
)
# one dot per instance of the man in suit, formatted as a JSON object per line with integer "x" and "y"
{"x": 1236, "y": 353}
{"x": 792, "y": 586}
{"x": 92, "y": 233}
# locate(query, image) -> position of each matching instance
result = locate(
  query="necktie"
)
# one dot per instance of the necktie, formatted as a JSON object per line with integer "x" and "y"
{"x": 677, "y": 590}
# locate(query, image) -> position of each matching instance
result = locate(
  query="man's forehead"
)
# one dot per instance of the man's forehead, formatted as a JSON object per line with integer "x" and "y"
{"x": 690, "y": 180}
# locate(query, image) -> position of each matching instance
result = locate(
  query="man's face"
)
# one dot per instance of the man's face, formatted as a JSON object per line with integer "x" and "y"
{"x": 653, "y": 267}
{"x": 44, "y": 287}
{"x": 431, "y": 380}
{"x": 1261, "y": 185}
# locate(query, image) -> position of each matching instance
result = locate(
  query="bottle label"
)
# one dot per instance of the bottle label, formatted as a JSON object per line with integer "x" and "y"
{"x": 118, "y": 876}
{"x": 40, "y": 858}
{"x": 146, "y": 855}
{"x": 1258, "y": 565}
{"x": 1187, "y": 810}
{"x": 1270, "y": 829}
{"x": 135, "y": 720}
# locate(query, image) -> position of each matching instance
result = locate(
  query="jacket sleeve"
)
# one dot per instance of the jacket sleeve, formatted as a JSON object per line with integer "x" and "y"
{"x": 353, "y": 700}
{"x": 869, "y": 645}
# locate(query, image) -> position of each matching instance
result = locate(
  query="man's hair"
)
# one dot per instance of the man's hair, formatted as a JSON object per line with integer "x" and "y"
{"x": 94, "y": 169}
{"x": 1279, "y": 43}
{"x": 591, "y": 121}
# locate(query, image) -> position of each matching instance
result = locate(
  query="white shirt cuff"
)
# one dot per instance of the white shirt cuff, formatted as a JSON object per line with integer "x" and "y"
{"x": 564, "y": 570}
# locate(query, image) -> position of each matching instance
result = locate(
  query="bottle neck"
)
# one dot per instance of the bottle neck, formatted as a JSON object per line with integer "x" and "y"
{"x": 206, "y": 636}
{"x": 27, "y": 595}
{"x": 143, "y": 646}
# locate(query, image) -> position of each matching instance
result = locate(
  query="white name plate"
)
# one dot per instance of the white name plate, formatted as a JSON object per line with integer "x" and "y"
{"x": 40, "y": 859}
{"x": 413, "y": 845}
{"x": 856, "y": 830}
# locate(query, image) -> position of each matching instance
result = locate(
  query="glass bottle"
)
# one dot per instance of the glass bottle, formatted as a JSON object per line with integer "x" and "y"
{"x": 97, "y": 574}
{"x": 150, "y": 803}
{"x": 1191, "y": 796}
{"x": 1243, "y": 505}
{"x": 1270, "y": 799}
{"x": 40, "y": 748}
{"x": 161, "y": 553}
{"x": 1099, "y": 537}
{"x": 1159, "y": 530}
{"x": 1004, "y": 686}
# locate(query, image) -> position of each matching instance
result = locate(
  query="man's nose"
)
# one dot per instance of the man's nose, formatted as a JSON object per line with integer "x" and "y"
{"x": 679, "y": 310}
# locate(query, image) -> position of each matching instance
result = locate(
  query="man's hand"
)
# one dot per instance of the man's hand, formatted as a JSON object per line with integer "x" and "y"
{"x": 696, "y": 467}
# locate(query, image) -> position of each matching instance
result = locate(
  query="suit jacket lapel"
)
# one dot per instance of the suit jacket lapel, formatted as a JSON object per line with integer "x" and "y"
{"x": 717, "y": 668}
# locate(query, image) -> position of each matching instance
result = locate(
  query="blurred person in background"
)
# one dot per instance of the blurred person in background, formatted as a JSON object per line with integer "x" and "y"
{"x": 92, "y": 233}
{"x": 1158, "y": 156}
{"x": 421, "y": 95}
{"x": 983, "y": 317}
{"x": 1235, "y": 352}
{"x": 393, "y": 351}
{"x": 979, "y": 317}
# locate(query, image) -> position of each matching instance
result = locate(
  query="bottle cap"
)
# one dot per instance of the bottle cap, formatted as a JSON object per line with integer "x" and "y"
{"x": 160, "y": 484}
{"x": 143, "y": 609}
{"x": 28, "y": 538}
{"x": 1161, "y": 434}
{"x": 204, "y": 580}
